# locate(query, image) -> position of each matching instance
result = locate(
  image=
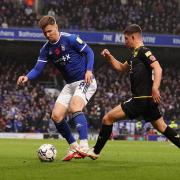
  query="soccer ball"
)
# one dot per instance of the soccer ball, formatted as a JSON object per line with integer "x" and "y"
{"x": 47, "y": 152}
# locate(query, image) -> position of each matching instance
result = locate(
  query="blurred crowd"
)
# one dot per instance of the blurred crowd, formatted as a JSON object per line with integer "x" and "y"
{"x": 16, "y": 14}
{"x": 22, "y": 109}
{"x": 28, "y": 108}
{"x": 159, "y": 16}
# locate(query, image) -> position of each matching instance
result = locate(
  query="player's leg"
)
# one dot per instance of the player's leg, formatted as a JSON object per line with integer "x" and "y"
{"x": 76, "y": 106}
{"x": 112, "y": 116}
{"x": 158, "y": 122}
{"x": 170, "y": 133}
{"x": 82, "y": 95}
{"x": 127, "y": 108}
{"x": 58, "y": 116}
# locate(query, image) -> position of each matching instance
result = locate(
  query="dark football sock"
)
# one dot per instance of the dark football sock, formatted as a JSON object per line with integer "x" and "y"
{"x": 64, "y": 129}
{"x": 172, "y": 136}
{"x": 104, "y": 135}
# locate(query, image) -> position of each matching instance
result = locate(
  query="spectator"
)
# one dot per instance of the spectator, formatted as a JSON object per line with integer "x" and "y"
{"x": 115, "y": 15}
{"x": 160, "y": 16}
{"x": 4, "y": 24}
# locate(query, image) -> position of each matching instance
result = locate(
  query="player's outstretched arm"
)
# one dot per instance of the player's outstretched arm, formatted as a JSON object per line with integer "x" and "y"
{"x": 22, "y": 80}
{"x": 33, "y": 73}
{"x": 122, "y": 67}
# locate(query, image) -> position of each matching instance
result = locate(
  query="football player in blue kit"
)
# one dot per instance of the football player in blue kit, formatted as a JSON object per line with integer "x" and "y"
{"x": 74, "y": 59}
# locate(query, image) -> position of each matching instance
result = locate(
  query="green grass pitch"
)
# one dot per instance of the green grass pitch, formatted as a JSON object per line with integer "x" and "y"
{"x": 126, "y": 160}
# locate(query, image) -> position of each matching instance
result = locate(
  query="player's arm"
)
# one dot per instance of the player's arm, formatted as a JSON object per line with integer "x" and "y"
{"x": 34, "y": 73}
{"x": 157, "y": 81}
{"x": 79, "y": 45}
{"x": 153, "y": 62}
{"x": 121, "y": 67}
{"x": 37, "y": 69}
{"x": 90, "y": 62}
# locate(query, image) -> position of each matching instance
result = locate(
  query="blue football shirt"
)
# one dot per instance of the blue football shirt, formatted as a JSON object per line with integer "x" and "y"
{"x": 69, "y": 54}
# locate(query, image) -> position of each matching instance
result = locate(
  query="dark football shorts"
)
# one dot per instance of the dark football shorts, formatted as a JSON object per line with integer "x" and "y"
{"x": 146, "y": 108}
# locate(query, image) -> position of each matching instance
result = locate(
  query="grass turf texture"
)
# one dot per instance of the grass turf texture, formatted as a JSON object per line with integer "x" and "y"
{"x": 119, "y": 160}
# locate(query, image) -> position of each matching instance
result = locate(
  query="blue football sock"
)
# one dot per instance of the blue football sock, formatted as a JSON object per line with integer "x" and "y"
{"x": 81, "y": 124}
{"x": 64, "y": 129}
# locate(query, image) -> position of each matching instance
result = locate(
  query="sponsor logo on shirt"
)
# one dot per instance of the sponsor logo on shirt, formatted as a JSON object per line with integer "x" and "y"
{"x": 63, "y": 60}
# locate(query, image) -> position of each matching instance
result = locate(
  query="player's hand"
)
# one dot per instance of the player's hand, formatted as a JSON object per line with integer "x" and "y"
{"x": 88, "y": 77}
{"x": 22, "y": 80}
{"x": 156, "y": 95}
{"x": 105, "y": 53}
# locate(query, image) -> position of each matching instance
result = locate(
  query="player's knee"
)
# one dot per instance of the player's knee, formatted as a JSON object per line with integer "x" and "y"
{"x": 160, "y": 125}
{"x": 107, "y": 119}
{"x": 56, "y": 118}
{"x": 162, "y": 128}
{"x": 75, "y": 107}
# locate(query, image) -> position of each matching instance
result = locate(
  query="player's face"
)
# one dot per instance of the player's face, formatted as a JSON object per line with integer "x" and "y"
{"x": 129, "y": 41}
{"x": 51, "y": 33}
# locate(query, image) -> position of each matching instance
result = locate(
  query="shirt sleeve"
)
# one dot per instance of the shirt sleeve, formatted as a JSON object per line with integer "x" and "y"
{"x": 80, "y": 46}
{"x": 90, "y": 57}
{"x": 147, "y": 55}
{"x": 37, "y": 69}
{"x": 77, "y": 43}
{"x": 43, "y": 54}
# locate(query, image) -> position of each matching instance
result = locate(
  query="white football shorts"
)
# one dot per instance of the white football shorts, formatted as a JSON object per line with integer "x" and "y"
{"x": 78, "y": 88}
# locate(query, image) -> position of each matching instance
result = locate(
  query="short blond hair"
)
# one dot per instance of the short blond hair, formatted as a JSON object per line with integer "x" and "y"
{"x": 45, "y": 21}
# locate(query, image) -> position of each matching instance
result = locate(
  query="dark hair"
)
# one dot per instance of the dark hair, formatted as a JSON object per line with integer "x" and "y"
{"x": 45, "y": 21}
{"x": 133, "y": 28}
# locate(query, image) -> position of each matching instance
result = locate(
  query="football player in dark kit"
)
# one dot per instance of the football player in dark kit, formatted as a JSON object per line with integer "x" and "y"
{"x": 145, "y": 77}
